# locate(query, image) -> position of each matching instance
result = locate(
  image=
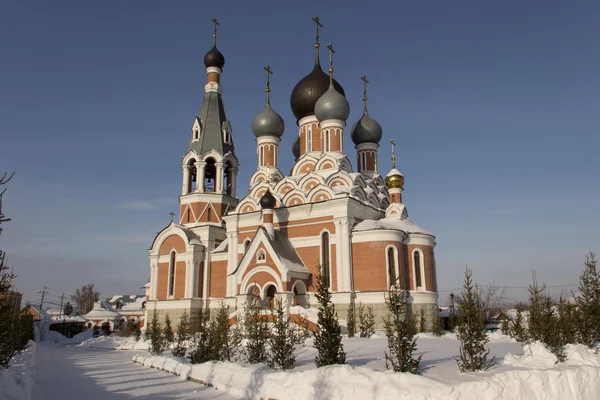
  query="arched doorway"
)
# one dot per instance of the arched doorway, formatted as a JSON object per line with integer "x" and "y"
{"x": 270, "y": 292}
{"x": 300, "y": 294}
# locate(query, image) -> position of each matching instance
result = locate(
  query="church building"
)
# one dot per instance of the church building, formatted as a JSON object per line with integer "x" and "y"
{"x": 269, "y": 242}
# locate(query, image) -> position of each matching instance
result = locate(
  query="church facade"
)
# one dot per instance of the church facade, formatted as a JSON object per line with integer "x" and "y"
{"x": 324, "y": 215}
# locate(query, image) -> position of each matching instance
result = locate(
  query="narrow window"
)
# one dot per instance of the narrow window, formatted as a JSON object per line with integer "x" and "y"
{"x": 261, "y": 256}
{"x": 391, "y": 266}
{"x": 261, "y": 156}
{"x": 327, "y": 138}
{"x": 208, "y": 213}
{"x": 325, "y": 258}
{"x": 172, "y": 274}
{"x": 246, "y": 245}
{"x": 309, "y": 138}
{"x": 417, "y": 265}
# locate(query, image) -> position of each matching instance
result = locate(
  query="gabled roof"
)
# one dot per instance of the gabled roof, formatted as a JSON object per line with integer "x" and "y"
{"x": 279, "y": 247}
{"x": 212, "y": 123}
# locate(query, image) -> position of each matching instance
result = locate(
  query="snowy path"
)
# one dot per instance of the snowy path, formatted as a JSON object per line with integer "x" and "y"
{"x": 91, "y": 374}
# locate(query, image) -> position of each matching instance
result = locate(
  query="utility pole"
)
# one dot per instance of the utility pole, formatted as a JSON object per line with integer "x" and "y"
{"x": 62, "y": 312}
{"x": 43, "y": 293}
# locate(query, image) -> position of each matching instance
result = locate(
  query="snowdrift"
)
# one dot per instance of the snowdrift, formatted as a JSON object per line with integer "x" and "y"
{"x": 531, "y": 376}
{"x": 16, "y": 382}
{"x": 115, "y": 343}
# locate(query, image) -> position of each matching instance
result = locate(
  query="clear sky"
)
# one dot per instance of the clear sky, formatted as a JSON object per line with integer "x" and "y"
{"x": 494, "y": 107}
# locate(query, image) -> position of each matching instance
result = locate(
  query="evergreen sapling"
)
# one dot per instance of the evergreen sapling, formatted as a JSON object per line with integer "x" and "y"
{"x": 281, "y": 339}
{"x": 400, "y": 332}
{"x": 257, "y": 331}
{"x": 328, "y": 335}
{"x": 471, "y": 330}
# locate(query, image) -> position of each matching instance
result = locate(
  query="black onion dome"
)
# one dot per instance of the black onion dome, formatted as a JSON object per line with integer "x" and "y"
{"x": 268, "y": 123}
{"x": 268, "y": 201}
{"x": 214, "y": 58}
{"x": 310, "y": 88}
{"x": 296, "y": 148}
{"x": 366, "y": 130}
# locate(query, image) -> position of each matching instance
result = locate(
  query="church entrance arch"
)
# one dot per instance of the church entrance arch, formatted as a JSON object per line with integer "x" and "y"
{"x": 300, "y": 294}
{"x": 269, "y": 297}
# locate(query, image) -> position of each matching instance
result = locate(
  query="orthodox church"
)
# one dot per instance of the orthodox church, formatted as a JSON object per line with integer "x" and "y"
{"x": 271, "y": 242}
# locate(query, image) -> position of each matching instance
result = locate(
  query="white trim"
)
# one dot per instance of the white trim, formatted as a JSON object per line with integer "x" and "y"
{"x": 247, "y": 279}
{"x": 421, "y": 270}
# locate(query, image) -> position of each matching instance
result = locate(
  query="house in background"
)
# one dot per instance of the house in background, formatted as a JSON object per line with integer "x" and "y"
{"x": 103, "y": 316}
{"x": 130, "y": 307}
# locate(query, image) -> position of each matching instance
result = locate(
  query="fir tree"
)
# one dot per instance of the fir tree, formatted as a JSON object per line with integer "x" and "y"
{"x": 367, "y": 321}
{"x": 471, "y": 330}
{"x": 328, "y": 335}
{"x": 257, "y": 331}
{"x": 400, "y": 332}
{"x": 543, "y": 321}
{"x": 203, "y": 339}
{"x": 568, "y": 321}
{"x": 154, "y": 334}
{"x": 517, "y": 329}
{"x": 137, "y": 330}
{"x": 422, "y": 321}
{"x": 351, "y": 321}
{"x": 438, "y": 326}
{"x": 281, "y": 339}
{"x": 588, "y": 302}
{"x": 226, "y": 339}
{"x": 183, "y": 336}
{"x": 167, "y": 332}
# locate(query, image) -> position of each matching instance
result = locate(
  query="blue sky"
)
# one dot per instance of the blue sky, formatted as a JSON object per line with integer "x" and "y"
{"x": 493, "y": 107}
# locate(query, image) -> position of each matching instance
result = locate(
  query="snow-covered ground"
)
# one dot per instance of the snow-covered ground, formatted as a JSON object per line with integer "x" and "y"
{"x": 16, "y": 382}
{"x": 93, "y": 374}
{"x": 519, "y": 375}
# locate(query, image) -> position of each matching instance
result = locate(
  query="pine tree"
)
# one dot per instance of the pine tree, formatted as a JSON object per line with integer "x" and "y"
{"x": 438, "y": 325}
{"x": 422, "y": 321}
{"x": 281, "y": 339}
{"x": 517, "y": 329}
{"x": 257, "y": 330}
{"x": 568, "y": 321}
{"x": 351, "y": 321}
{"x": 203, "y": 339}
{"x": 400, "y": 332}
{"x": 155, "y": 335}
{"x": 588, "y": 302}
{"x": 167, "y": 332}
{"x": 137, "y": 330}
{"x": 328, "y": 335}
{"x": 183, "y": 336}
{"x": 543, "y": 321}
{"x": 226, "y": 339}
{"x": 367, "y": 321}
{"x": 471, "y": 330}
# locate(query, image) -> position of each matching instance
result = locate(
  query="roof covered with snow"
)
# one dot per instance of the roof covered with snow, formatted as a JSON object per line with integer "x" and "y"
{"x": 392, "y": 223}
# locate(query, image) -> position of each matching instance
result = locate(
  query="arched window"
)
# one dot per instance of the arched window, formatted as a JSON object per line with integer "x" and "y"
{"x": 171, "y": 274}
{"x": 208, "y": 213}
{"x": 228, "y": 178}
{"x": 417, "y": 265}
{"x": 325, "y": 258}
{"x": 326, "y": 140}
{"x": 391, "y": 264}
{"x": 192, "y": 176}
{"x": 261, "y": 256}
{"x": 309, "y": 138}
{"x": 210, "y": 175}
{"x": 246, "y": 245}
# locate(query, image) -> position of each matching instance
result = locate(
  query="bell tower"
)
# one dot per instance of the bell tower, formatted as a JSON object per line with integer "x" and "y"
{"x": 210, "y": 166}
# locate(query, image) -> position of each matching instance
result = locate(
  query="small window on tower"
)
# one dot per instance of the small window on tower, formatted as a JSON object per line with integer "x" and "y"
{"x": 208, "y": 213}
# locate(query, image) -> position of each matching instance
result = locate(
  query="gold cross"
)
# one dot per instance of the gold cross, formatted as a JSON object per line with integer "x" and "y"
{"x": 365, "y": 81}
{"x": 331, "y": 53}
{"x": 172, "y": 214}
{"x": 393, "y": 153}
{"x": 215, "y": 23}
{"x": 269, "y": 72}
